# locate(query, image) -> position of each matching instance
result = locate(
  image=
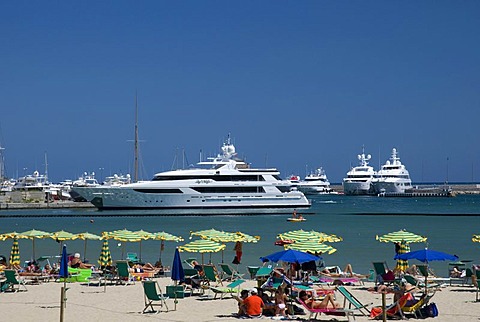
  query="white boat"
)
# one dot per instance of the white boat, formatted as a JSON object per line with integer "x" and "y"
{"x": 359, "y": 179}
{"x": 86, "y": 181}
{"x": 224, "y": 184}
{"x": 117, "y": 180}
{"x": 315, "y": 183}
{"x": 393, "y": 177}
{"x": 31, "y": 182}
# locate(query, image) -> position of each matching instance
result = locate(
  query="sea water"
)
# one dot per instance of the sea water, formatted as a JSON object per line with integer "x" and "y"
{"x": 448, "y": 223}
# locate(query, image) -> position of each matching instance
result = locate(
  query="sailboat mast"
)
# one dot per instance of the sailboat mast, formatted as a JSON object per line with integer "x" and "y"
{"x": 135, "y": 161}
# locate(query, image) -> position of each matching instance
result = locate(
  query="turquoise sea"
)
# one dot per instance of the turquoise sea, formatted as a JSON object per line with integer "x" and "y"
{"x": 449, "y": 224}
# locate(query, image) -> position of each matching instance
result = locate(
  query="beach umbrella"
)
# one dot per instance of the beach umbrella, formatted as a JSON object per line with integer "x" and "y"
{"x": 124, "y": 235}
{"x": 311, "y": 246}
{"x": 86, "y": 236}
{"x": 177, "y": 272}
{"x": 64, "y": 274}
{"x": 145, "y": 235}
{"x": 290, "y": 256}
{"x": 15, "y": 253}
{"x": 61, "y": 236}
{"x": 401, "y": 235}
{"x": 300, "y": 234}
{"x": 202, "y": 246}
{"x": 164, "y": 236}
{"x": 34, "y": 234}
{"x": 105, "y": 258}
{"x": 476, "y": 238}
{"x": 402, "y": 264}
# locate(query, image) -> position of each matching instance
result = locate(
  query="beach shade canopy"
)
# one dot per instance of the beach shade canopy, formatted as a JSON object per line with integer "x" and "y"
{"x": 124, "y": 235}
{"x": 311, "y": 246}
{"x": 15, "y": 253}
{"x": 290, "y": 256}
{"x": 300, "y": 235}
{"x": 225, "y": 237}
{"x": 105, "y": 258}
{"x": 202, "y": 246}
{"x": 476, "y": 238}
{"x": 401, "y": 235}
{"x": 402, "y": 264}
{"x": 86, "y": 236}
{"x": 63, "y": 235}
{"x": 33, "y": 234}
{"x": 427, "y": 255}
{"x": 64, "y": 263}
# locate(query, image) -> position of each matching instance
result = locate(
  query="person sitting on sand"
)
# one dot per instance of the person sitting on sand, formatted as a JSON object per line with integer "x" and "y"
{"x": 76, "y": 262}
{"x": 319, "y": 304}
{"x": 254, "y": 304}
{"x": 347, "y": 272}
{"x": 242, "y": 310}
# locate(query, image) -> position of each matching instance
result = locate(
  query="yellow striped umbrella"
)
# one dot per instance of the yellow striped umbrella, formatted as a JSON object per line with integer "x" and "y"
{"x": 299, "y": 235}
{"x": 105, "y": 256}
{"x": 202, "y": 246}
{"x": 145, "y": 235}
{"x": 86, "y": 236}
{"x": 402, "y": 265}
{"x": 33, "y": 234}
{"x": 124, "y": 235}
{"x": 15, "y": 253}
{"x": 401, "y": 235}
{"x": 163, "y": 236}
{"x": 312, "y": 246}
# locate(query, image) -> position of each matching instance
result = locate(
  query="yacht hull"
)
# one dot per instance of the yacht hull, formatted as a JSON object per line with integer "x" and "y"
{"x": 357, "y": 188}
{"x": 128, "y": 198}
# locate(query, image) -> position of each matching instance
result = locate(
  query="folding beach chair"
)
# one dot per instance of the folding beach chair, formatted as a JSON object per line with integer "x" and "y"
{"x": 123, "y": 273}
{"x": 393, "y": 311}
{"x": 151, "y": 295}
{"x": 382, "y": 273}
{"x": 353, "y": 301}
{"x": 211, "y": 275}
{"x": 133, "y": 258}
{"x": 12, "y": 281}
{"x": 232, "y": 289}
{"x": 327, "y": 311}
{"x": 228, "y": 273}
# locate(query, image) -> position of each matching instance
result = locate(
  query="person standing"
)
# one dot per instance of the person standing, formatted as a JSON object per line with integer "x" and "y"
{"x": 238, "y": 251}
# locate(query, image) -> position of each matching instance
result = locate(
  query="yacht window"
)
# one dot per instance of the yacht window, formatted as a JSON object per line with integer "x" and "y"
{"x": 158, "y": 190}
{"x": 229, "y": 189}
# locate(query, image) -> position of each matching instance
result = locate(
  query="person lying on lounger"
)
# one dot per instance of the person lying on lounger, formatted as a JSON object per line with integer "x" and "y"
{"x": 319, "y": 304}
{"x": 347, "y": 272}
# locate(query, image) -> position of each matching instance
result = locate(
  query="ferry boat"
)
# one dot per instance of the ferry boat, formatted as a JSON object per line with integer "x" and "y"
{"x": 393, "y": 177}
{"x": 359, "y": 179}
{"x": 223, "y": 183}
{"x": 315, "y": 183}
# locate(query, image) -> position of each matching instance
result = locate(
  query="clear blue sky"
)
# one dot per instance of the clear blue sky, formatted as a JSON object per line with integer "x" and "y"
{"x": 296, "y": 83}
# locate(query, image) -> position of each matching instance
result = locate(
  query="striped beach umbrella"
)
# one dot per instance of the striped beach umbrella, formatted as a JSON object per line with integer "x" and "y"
{"x": 105, "y": 258}
{"x": 402, "y": 265}
{"x": 124, "y": 235}
{"x": 202, "y": 246}
{"x": 145, "y": 235}
{"x": 401, "y": 235}
{"x": 476, "y": 238}
{"x": 311, "y": 246}
{"x": 61, "y": 236}
{"x": 164, "y": 236}
{"x": 299, "y": 235}
{"x": 34, "y": 234}
{"x": 15, "y": 253}
{"x": 87, "y": 236}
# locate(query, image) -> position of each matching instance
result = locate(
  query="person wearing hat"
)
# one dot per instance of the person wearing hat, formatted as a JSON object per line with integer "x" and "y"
{"x": 76, "y": 262}
{"x": 254, "y": 304}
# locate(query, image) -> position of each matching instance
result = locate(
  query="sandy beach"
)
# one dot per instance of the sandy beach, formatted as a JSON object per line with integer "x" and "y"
{"x": 91, "y": 303}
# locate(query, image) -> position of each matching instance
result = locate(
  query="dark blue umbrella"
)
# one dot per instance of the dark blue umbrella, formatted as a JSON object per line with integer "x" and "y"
{"x": 177, "y": 268}
{"x": 290, "y": 256}
{"x": 64, "y": 263}
{"x": 426, "y": 255}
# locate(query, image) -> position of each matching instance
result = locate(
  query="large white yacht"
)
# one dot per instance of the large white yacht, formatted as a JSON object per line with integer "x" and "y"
{"x": 393, "y": 177}
{"x": 223, "y": 184}
{"x": 315, "y": 183}
{"x": 359, "y": 178}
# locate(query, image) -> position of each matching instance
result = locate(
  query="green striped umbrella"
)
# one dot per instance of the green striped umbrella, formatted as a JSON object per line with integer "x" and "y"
{"x": 299, "y": 235}
{"x": 105, "y": 256}
{"x": 163, "y": 236}
{"x": 402, "y": 265}
{"x": 15, "y": 253}
{"x": 145, "y": 235}
{"x": 401, "y": 235}
{"x": 61, "y": 236}
{"x": 33, "y": 234}
{"x": 124, "y": 235}
{"x": 312, "y": 246}
{"x": 86, "y": 236}
{"x": 202, "y": 246}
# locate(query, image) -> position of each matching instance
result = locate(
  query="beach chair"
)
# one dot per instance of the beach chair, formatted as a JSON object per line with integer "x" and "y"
{"x": 151, "y": 295}
{"x": 477, "y": 275}
{"x": 133, "y": 258}
{"x": 419, "y": 283}
{"x": 12, "y": 281}
{"x": 211, "y": 275}
{"x": 189, "y": 261}
{"x": 313, "y": 313}
{"x": 353, "y": 301}
{"x": 415, "y": 308}
{"x": 393, "y": 311}
{"x": 228, "y": 273}
{"x": 233, "y": 289}
{"x": 252, "y": 270}
{"x": 123, "y": 273}
{"x": 381, "y": 273}
{"x": 427, "y": 272}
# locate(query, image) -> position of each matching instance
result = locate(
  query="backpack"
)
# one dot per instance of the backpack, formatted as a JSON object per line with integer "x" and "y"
{"x": 431, "y": 310}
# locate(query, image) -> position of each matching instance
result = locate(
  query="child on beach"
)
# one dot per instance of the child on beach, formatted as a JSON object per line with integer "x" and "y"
{"x": 280, "y": 302}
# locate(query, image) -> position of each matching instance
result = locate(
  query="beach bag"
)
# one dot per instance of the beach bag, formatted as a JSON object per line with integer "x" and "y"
{"x": 431, "y": 310}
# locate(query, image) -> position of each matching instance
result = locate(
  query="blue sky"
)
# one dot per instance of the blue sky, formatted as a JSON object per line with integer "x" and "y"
{"x": 298, "y": 84}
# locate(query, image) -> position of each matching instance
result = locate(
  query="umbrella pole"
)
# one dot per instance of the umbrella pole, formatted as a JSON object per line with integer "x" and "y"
{"x": 85, "y": 251}
{"x": 175, "y": 300}
{"x": 33, "y": 249}
{"x": 140, "y": 257}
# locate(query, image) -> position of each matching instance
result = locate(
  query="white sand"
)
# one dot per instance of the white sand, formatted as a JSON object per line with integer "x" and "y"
{"x": 90, "y": 303}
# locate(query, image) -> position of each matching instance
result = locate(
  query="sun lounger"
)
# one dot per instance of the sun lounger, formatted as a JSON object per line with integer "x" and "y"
{"x": 313, "y": 313}
{"x": 353, "y": 301}
{"x": 232, "y": 289}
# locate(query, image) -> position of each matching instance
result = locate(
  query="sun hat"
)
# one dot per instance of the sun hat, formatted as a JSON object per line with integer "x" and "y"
{"x": 253, "y": 290}
{"x": 77, "y": 255}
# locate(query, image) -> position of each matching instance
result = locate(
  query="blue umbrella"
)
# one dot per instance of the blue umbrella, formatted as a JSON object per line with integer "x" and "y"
{"x": 64, "y": 263}
{"x": 426, "y": 255}
{"x": 177, "y": 272}
{"x": 290, "y": 256}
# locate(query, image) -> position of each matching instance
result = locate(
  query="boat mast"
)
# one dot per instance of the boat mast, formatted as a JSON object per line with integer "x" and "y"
{"x": 135, "y": 160}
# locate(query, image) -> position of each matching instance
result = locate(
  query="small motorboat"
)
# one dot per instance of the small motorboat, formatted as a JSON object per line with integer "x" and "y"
{"x": 284, "y": 242}
{"x": 296, "y": 219}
